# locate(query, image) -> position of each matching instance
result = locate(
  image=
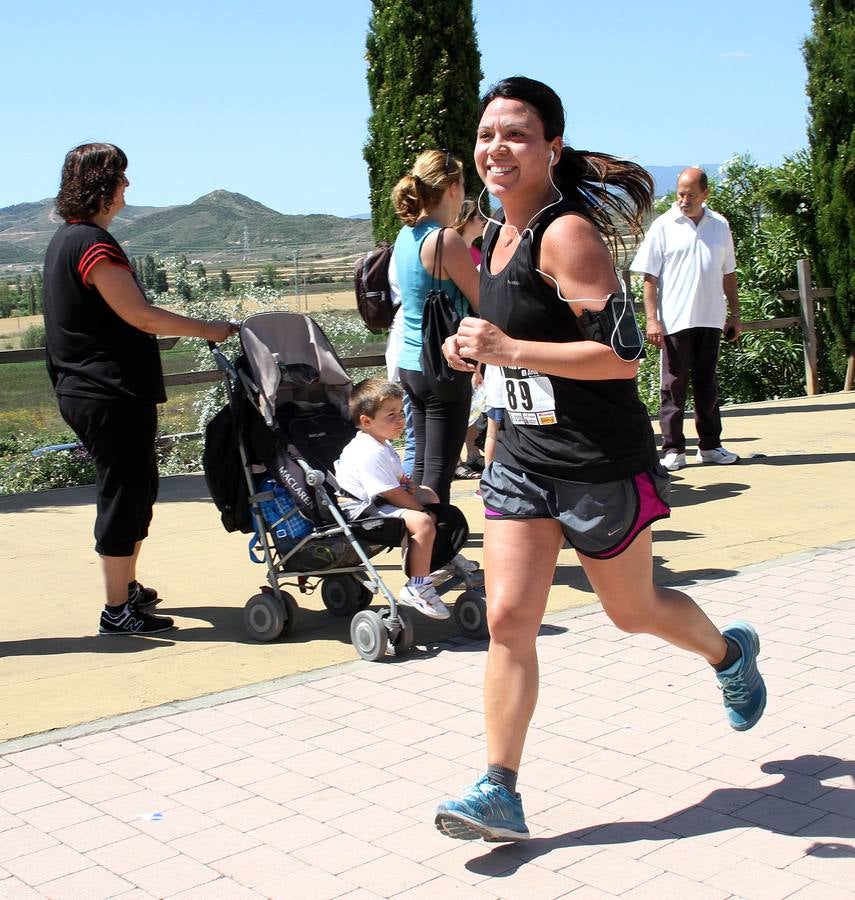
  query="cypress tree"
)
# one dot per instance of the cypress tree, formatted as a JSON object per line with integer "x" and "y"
{"x": 424, "y": 73}
{"x": 830, "y": 59}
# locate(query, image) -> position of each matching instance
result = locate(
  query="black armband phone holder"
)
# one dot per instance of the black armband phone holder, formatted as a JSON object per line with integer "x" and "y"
{"x": 616, "y": 326}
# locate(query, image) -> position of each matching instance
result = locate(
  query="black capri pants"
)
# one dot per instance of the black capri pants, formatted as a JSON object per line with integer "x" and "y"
{"x": 440, "y": 421}
{"x": 119, "y": 435}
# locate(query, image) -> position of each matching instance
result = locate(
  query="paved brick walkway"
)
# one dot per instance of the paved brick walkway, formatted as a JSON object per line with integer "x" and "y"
{"x": 324, "y": 786}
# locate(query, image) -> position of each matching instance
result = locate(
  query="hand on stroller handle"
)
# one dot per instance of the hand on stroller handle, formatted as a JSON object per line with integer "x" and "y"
{"x": 234, "y": 328}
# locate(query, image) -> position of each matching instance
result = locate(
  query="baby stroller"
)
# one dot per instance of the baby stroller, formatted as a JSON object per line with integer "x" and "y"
{"x": 288, "y": 416}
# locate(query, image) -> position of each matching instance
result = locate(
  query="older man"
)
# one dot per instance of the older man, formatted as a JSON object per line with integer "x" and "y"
{"x": 690, "y": 297}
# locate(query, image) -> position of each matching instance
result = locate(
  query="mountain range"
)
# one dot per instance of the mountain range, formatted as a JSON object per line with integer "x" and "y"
{"x": 218, "y": 227}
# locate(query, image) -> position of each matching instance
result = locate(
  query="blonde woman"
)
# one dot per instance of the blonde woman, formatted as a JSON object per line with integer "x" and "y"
{"x": 427, "y": 200}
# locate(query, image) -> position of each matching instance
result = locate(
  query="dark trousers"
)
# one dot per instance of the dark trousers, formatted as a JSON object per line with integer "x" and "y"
{"x": 439, "y": 425}
{"x": 692, "y": 353}
{"x": 120, "y": 437}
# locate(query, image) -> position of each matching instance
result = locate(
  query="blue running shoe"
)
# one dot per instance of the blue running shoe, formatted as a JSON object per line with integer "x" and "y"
{"x": 742, "y": 686}
{"x": 486, "y": 810}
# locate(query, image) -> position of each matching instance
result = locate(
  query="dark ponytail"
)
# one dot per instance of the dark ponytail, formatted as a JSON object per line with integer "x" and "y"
{"x": 613, "y": 193}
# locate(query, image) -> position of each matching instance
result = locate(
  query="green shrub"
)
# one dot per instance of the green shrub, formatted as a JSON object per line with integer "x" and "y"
{"x": 34, "y": 336}
{"x": 21, "y": 471}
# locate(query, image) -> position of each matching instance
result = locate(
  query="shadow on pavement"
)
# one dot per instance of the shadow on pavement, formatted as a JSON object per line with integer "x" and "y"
{"x": 685, "y": 494}
{"x": 731, "y": 412}
{"x": 721, "y": 810}
{"x": 88, "y": 643}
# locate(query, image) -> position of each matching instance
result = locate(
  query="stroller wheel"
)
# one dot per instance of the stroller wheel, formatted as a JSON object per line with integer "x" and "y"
{"x": 470, "y": 613}
{"x": 265, "y": 618}
{"x": 403, "y": 641}
{"x": 343, "y": 595}
{"x": 368, "y": 635}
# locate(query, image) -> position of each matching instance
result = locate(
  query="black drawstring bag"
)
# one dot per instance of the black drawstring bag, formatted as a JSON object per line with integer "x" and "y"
{"x": 440, "y": 319}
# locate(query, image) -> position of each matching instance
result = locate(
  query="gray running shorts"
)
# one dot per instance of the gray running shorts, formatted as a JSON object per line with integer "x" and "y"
{"x": 598, "y": 520}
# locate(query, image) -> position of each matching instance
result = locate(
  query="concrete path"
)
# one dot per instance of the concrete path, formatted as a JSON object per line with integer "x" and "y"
{"x": 203, "y": 765}
{"x": 324, "y": 785}
{"x": 55, "y": 671}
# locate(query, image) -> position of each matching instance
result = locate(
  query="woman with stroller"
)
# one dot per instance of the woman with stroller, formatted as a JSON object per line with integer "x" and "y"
{"x": 576, "y": 459}
{"x": 104, "y": 363}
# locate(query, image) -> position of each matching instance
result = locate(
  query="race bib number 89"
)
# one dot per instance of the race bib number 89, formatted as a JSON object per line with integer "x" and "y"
{"x": 529, "y": 398}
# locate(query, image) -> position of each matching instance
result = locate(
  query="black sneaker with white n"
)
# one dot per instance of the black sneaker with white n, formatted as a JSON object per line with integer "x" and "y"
{"x": 129, "y": 619}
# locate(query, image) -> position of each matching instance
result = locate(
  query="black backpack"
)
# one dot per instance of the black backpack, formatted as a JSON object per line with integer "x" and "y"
{"x": 371, "y": 282}
{"x": 224, "y": 472}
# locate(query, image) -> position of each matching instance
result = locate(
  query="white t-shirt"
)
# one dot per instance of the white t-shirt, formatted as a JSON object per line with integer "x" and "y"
{"x": 368, "y": 468}
{"x": 690, "y": 261}
{"x": 494, "y": 387}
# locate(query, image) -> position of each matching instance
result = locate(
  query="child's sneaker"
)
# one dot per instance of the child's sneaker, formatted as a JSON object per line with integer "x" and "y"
{"x": 425, "y": 599}
{"x": 742, "y": 687}
{"x": 129, "y": 619}
{"x": 486, "y": 810}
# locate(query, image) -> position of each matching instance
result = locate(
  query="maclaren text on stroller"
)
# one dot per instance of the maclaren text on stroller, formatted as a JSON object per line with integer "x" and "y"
{"x": 288, "y": 414}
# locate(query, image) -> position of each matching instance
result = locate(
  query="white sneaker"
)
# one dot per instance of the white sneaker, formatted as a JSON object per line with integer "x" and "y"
{"x": 674, "y": 460}
{"x": 720, "y": 456}
{"x": 425, "y": 599}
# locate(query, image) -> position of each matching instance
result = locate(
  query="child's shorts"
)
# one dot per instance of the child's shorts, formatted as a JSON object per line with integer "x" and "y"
{"x": 598, "y": 520}
{"x": 496, "y": 413}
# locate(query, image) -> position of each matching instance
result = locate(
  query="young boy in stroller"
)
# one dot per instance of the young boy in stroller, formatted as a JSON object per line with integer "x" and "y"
{"x": 369, "y": 473}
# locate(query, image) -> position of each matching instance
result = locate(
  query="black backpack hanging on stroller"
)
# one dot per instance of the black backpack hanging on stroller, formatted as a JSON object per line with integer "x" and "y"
{"x": 289, "y": 393}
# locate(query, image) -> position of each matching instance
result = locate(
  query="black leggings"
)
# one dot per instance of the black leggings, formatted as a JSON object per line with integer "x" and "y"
{"x": 439, "y": 426}
{"x": 120, "y": 436}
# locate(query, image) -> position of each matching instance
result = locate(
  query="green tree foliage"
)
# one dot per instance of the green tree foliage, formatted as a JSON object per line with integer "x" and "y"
{"x": 769, "y": 211}
{"x": 225, "y": 280}
{"x": 160, "y": 283}
{"x": 150, "y": 273}
{"x": 7, "y": 300}
{"x": 830, "y": 59}
{"x": 34, "y": 336}
{"x": 269, "y": 275}
{"x": 424, "y": 69}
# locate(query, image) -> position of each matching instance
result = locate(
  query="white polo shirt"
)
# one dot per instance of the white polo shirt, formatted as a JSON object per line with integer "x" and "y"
{"x": 690, "y": 261}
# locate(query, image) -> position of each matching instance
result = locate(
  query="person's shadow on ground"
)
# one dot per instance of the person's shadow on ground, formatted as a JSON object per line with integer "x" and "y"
{"x": 721, "y": 810}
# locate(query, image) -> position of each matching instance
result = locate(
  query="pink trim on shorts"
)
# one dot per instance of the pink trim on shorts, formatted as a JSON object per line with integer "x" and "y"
{"x": 650, "y": 508}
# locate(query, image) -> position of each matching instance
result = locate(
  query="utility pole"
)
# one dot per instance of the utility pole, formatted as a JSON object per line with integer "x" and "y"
{"x": 245, "y": 242}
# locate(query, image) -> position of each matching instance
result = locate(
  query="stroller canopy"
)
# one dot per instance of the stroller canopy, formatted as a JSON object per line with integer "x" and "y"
{"x": 290, "y": 357}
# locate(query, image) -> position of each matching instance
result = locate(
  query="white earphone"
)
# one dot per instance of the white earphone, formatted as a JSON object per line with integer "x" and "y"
{"x": 551, "y": 156}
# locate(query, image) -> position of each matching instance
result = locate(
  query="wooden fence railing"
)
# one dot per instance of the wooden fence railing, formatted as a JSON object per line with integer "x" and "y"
{"x": 806, "y": 295}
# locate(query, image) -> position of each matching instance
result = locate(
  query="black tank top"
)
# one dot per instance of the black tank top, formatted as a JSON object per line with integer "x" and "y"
{"x": 573, "y": 430}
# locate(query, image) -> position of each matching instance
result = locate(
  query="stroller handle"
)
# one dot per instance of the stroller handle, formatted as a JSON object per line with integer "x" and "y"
{"x": 220, "y": 359}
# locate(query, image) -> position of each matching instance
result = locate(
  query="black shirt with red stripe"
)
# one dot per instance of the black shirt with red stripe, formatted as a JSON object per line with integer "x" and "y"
{"x": 91, "y": 351}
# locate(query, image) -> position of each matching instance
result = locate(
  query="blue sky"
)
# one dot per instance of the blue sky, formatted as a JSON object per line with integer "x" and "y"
{"x": 268, "y": 97}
